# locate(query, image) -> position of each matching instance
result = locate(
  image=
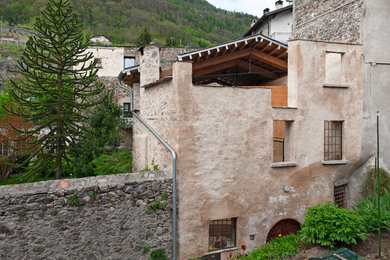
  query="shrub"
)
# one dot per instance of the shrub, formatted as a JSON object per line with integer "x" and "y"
{"x": 327, "y": 224}
{"x": 158, "y": 254}
{"x": 118, "y": 162}
{"x": 281, "y": 247}
{"x": 369, "y": 186}
{"x": 368, "y": 210}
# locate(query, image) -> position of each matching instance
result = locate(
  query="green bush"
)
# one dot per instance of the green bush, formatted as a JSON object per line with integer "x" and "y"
{"x": 327, "y": 224}
{"x": 118, "y": 162}
{"x": 369, "y": 186}
{"x": 277, "y": 248}
{"x": 158, "y": 254}
{"x": 368, "y": 210}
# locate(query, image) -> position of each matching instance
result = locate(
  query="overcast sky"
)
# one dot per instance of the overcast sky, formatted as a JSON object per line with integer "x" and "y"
{"x": 254, "y": 7}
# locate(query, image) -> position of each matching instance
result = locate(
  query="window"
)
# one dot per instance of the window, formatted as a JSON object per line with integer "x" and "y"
{"x": 4, "y": 151}
{"x": 282, "y": 141}
{"x": 99, "y": 63}
{"x": 339, "y": 196}
{"x": 333, "y": 140}
{"x": 222, "y": 233}
{"x": 126, "y": 109}
{"x": 129, "y": 62}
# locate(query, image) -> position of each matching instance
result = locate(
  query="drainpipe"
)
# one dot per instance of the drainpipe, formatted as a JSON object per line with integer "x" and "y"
{"x": 174, "y": 157}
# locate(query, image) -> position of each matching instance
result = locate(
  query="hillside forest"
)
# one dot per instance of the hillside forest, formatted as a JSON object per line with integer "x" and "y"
{"x": 170, "y": 22}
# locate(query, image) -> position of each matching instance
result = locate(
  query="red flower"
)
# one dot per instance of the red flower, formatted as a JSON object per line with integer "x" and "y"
{"x": 246, "y": 254}
{"x": 239, "y": 256}
{"x": 231, "y": 255}
{"x": 243, "y": 247}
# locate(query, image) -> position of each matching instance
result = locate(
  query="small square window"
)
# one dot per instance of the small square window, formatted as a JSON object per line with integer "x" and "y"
{"x": 333, "y": 140}
{"x": 129, "y": 62}
{"x": 222, "y": 233}
{"x": 126, "y": 109}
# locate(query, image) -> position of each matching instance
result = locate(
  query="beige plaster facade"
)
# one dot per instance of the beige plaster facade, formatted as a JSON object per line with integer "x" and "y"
{"x": 223, "y": 137}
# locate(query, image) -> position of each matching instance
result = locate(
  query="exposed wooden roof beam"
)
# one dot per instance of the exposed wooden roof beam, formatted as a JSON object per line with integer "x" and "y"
{"x": 281, "y": 64}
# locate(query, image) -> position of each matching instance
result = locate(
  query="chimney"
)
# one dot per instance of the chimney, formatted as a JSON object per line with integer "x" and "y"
{"x": 266, "y": 10}
{"x": 253, "y": 22}
{"x": 278, "y": 4}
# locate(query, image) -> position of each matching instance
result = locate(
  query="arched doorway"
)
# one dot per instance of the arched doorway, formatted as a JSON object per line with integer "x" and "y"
{"x": 284, "y": 227}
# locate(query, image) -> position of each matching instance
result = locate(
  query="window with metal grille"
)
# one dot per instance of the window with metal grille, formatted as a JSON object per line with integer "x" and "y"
{"x": 126, "y": 109}
{"x": 339, "y": 196}
{"x": 333, "y": 140}
{"x": 222, "y": 233}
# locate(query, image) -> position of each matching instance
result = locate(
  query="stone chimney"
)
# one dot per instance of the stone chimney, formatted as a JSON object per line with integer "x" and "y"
{"x": 266, "y": 10}
{"x": 278, "y": 4}
{"x": 253, "y": 22}
{"x": 150, "y": 64}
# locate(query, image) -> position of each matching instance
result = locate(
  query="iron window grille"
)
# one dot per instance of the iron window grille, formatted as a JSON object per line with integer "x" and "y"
{"x": 222, "y": 233}
{"x": 339, "y": 196}
{"x": 333, "y": 140}
{"x": 128, "y": 62}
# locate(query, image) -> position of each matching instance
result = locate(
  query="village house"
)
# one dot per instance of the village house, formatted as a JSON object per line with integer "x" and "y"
{"x": 276, "y": 24}
{"x": 252, "y": 153}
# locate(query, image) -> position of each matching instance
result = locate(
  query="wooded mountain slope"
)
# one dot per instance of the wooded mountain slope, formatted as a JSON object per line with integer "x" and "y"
{"x": 195, "y": 22}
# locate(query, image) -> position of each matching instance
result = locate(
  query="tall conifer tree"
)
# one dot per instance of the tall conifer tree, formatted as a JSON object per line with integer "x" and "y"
{"x": 59, "y": 81}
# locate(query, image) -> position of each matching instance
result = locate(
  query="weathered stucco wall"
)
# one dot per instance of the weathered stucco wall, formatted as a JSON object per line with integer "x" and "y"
{"x": 110, "y": 222}
{"x": 329, "y": 21}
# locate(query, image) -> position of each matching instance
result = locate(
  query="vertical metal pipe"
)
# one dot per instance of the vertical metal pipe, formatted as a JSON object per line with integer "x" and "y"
{"x": 378, "y": 184}
{"x": 174, "y": 160}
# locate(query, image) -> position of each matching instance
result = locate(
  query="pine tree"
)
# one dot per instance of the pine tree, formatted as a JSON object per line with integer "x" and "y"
{"x": 59, "y": 82}
{"x": 144, "y": 38}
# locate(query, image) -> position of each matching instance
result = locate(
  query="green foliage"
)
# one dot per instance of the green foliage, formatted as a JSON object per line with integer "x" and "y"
{"x": 145, "y": 170}
{"x": 368, "y": 210}
{"x": 369, "y": 186}
{"x": 144, "y": 37}
{"x": 155, "y": 166}
{"x": 92, "y": 195}
{"x": 327, "y": 224}
{"x": 117, "y": 162}
{"x": 121, "y": 20}
{"x": 58, "y": 83}
{"x": 158, "y": 254}
{"x": 145, "y": 249}
{"x": 73, "y": 200}
{"x": 97, "y": 149}
{"x": 164, "y": 195}
{"x": 277, "y": 248}
{"x": 156, "y": 206}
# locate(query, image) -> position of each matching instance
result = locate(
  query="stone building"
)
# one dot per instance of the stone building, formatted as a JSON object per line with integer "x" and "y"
{"x": 276, "y": 24}
{"x": 252, "y": 153}
{"x": 361, "y": 23}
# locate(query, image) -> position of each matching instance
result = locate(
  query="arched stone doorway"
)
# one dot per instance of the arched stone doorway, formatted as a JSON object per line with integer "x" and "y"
{"x": 284, "y": 227}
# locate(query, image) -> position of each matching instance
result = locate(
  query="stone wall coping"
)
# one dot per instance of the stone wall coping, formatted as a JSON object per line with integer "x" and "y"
{"x": 77, "y": 185}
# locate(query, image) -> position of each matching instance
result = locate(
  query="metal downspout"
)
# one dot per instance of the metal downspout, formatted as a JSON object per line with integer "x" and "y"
{"x": 174, "y": 157}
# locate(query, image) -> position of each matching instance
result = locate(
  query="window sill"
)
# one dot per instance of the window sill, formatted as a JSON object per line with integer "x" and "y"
{"x": 222, "y": 250}
{"x": 336, "y": 85}
{"x": 283, "y": 164}
{"x": 335, "y": 162}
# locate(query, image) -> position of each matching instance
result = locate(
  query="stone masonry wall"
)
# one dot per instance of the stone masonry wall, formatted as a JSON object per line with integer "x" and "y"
{"x": 328, "y": 20}
{"x": 104, "y": 217}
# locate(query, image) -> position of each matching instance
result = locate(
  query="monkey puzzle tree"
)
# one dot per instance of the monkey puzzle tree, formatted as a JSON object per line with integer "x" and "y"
{"x": 59, "y": 81}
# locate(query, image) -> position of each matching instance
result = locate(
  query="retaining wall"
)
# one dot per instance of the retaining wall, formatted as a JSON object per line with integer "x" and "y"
{"x": 105, "y": 217}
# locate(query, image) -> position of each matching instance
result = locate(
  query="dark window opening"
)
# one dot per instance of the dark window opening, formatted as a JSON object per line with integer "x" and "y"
{"x": 222, "y": 233}
{"x": 126, "y": 109}
{"x": 333, "y": 140}
{"x": 339, "y": 196}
